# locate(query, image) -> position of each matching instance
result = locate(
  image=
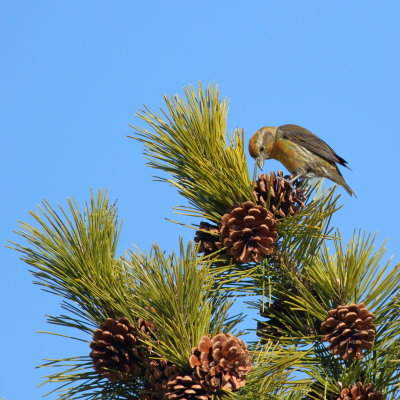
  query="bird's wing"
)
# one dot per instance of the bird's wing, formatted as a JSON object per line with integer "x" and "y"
{"x": 311, "y": 142}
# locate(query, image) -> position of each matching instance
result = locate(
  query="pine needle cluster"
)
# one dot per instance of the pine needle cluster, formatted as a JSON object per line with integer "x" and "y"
{"x": 329, "y": 313}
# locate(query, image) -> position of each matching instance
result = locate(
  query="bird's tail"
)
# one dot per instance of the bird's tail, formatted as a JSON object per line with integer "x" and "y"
{"x": 348, "y": 189}
{"x": 338, "y": 178}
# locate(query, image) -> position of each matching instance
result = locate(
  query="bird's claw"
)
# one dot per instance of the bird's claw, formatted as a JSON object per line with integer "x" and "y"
{"x": 289, "y": 182}
{"x": 292, "y": 187}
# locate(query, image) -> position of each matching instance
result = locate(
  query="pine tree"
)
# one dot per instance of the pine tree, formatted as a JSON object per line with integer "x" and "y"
{"x": 160, "y": 326}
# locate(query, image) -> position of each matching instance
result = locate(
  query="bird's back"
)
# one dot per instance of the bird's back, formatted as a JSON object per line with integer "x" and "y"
{"x": 306, "y": 139}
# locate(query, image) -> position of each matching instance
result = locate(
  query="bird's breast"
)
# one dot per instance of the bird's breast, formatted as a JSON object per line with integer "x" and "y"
{"x": 291, "y": 155}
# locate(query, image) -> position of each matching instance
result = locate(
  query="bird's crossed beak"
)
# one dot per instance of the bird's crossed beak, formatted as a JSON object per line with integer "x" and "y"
{"x": 259, "y": 163}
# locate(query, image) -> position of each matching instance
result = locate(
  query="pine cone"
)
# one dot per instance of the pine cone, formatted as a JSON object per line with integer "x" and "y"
{"x": 276, "y": 194}
{"x": 278, "y": 260}
{"x": 209, "y": 242}
{"x": 145, "y": 326}
{"x": 221, "y": 362}
{"x": 249, "y": 232}
{"x": 360, "y": 392}
{"x": 185, "y": 387}
{"x": 157, "y": 373}
{"x": 116, "y": 350}
{"x": 349, "y": 330}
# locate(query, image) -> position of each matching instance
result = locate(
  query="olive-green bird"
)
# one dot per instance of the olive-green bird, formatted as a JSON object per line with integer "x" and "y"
{"x": 304, "y": 154}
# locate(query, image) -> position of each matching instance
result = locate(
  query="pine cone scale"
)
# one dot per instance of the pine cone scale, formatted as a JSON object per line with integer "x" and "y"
{"x": 360, "y": 392}
{"x": 248, "y": 232}
{"x": 221, "y": 363}
{"x": 117, "y": 352}
{"x": 208, "y": 238}
{"x": 349, "y": 330}
{"x": 277, "y": 195}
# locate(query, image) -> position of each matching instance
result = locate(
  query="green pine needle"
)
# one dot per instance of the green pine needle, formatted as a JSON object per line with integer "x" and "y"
{"x": 351, "y": 274}
{"x": 172, "y": 292}
{"x": 189, "y": 141}
{"x": 70, "y": 250}
{"x": 73, "y": 255}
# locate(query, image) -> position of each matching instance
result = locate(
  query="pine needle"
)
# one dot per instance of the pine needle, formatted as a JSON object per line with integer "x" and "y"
{"x": 190, "y": 142}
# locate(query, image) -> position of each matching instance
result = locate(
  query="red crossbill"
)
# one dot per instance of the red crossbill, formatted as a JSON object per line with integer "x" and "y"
{"x": 304, "y": 154}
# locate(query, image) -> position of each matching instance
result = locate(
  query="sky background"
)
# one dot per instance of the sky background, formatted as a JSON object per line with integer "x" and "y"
{"x": 74, "y": 73}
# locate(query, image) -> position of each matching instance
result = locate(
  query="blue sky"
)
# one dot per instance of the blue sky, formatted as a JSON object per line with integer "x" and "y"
{"x": 74, "y": 73}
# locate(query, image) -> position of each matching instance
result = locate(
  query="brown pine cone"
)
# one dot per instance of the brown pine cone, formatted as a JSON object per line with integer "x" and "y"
{"x": 276, "y": 194}
{"x": 278, "y": 260}
{"x": 185, "y": 387}
{"x": 158, "y": 373}
{"x": 349, "y": 330}
{"x": 249, "y": 232}
{"x": 360, "y": 392}
{"x": 209, "y": 242}
{"x": 116, "y": 350}
{"x": 144, "y": 326}
{"x": 222, "y": 362}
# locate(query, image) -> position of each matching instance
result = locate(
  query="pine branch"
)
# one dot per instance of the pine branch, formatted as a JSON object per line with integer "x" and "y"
{"x": 273, "y": 375}
{"x": 71, "y": 250}
{"x": 180, "y": 298}
{"x": 73, "y": 255}
{"x": 189, "y": 142}
{"x": 173, "y": 293}
{"x": 350, "y": 275}
{"x": 79, "y": 381}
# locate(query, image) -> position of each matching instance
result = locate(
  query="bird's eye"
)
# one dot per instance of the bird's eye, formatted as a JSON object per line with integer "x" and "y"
{"x": 262, "y": 148}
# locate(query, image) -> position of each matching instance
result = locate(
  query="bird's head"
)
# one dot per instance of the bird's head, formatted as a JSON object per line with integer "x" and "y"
{"x": 262, "y": 143}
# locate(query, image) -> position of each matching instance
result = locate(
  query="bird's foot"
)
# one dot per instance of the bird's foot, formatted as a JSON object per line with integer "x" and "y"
{"x": 289, "y": 181}
{"x": 299, "y": 182}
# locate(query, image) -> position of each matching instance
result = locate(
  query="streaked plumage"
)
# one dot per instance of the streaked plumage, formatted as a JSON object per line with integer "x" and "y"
{"x": 300, "y": 151}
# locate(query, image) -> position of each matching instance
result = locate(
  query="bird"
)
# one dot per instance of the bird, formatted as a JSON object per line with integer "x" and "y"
{"x": 304, "y": 154}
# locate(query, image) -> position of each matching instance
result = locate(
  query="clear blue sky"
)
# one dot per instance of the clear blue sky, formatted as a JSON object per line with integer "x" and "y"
{"x": 74, "y": 72}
